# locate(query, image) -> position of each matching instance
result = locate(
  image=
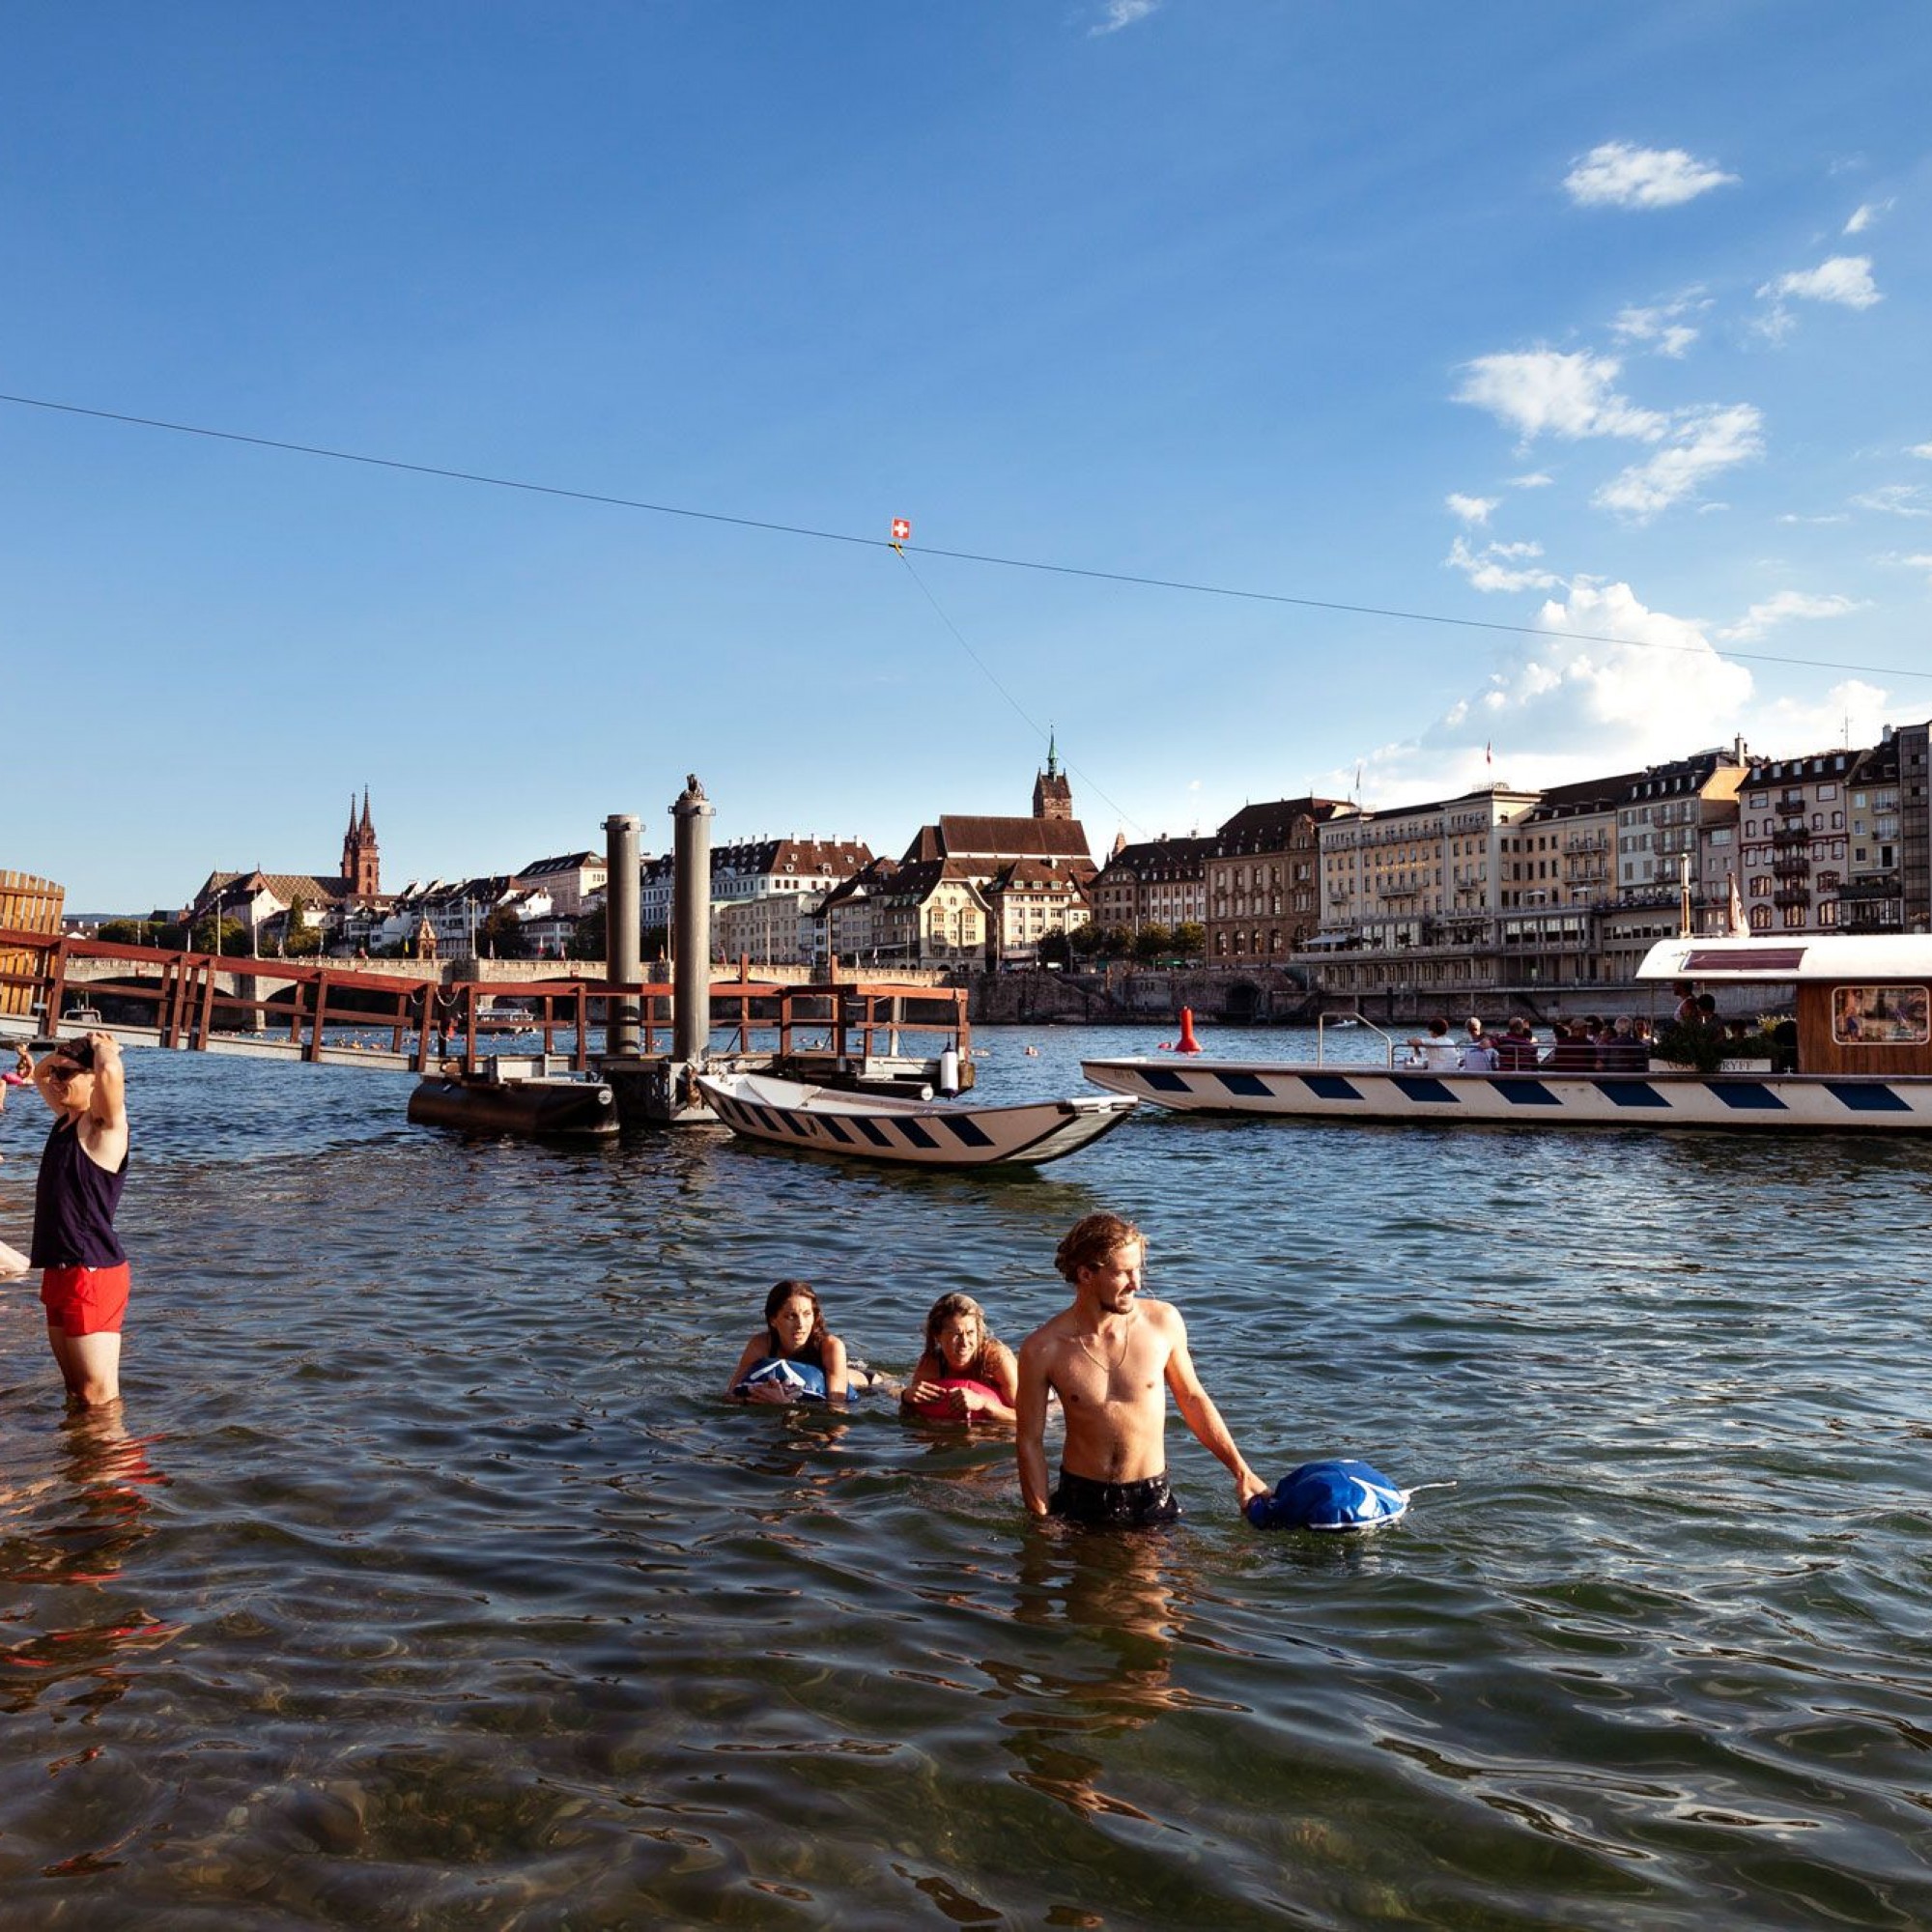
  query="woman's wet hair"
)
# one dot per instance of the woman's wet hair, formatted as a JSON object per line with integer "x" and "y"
{"x": 945, "y": 1309}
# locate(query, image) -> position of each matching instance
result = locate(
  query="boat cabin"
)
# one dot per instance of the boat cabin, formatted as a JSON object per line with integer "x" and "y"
{"x": 1863, "y": 1002}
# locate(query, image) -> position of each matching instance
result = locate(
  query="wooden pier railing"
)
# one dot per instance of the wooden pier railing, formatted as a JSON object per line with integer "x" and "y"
{"x": 32, "y": 906}
{"x": 182, "y": 1005}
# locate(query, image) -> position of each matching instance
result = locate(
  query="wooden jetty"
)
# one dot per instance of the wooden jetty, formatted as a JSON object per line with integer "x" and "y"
{"x": 332, "y": 1012}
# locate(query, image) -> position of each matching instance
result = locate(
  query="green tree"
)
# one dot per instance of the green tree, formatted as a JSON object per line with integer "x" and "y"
{"x": 1055, "y": 948}
{"x": 1190, "y": 939}
{"x": 300, "y": 939}
{"x": 230, "y": 936}
{"x": 1118, "y": 942}
{"x": 501, "y": 936}
{"x": 587, "y": 938}
{"x": 126, "y": 932}
{"x": 1089, "y": 941}
{"x": 1154, "y": 941}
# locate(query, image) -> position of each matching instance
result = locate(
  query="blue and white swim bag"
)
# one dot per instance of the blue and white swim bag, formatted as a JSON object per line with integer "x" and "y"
{"x": 801, "y": 1380}
{"x": 1330, "y": 1495}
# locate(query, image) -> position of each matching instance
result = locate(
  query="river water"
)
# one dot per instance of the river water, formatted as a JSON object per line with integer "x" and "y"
{"x": 427, "y": 1581}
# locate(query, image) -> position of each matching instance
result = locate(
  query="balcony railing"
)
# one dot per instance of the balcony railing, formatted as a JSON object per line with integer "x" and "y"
{"x": 1792, "y": 835}
{"x": 1792, "y": 895}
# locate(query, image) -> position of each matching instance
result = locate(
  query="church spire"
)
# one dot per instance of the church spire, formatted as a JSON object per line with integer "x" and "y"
{"x": 361, "y": 863}
{"x": 1052, "y": 794}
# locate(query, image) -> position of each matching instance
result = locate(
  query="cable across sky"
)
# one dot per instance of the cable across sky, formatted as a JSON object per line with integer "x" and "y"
{"x": 1090, "y": 573}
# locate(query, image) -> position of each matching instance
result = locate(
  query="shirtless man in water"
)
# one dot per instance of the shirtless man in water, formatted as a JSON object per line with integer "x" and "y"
{"x": 1107, "y": 1357}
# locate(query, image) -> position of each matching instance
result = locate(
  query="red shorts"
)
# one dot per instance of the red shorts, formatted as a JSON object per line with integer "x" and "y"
{"x": 85, "y": 1302}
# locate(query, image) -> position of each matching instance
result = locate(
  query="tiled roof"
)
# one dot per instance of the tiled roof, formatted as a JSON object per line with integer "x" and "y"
{"x": 1270, "y": 827}
{"x": 966, "y": 837}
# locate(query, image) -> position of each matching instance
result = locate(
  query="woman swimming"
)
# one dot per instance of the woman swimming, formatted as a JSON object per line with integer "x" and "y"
{"x": 967, "y": 1374}
{"x": 793, "y": 1357}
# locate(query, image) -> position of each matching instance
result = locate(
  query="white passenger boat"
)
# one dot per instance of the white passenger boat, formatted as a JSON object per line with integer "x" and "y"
{"x": 921, "y": 1133}
{"x": 1862, "y": 1054}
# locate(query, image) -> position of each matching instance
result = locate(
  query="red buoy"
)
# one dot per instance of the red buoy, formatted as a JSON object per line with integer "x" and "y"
{"x": 1187, "y": 1043}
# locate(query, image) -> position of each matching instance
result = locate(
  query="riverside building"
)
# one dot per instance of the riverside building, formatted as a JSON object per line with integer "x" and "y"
{"x": 1263, "y": 879}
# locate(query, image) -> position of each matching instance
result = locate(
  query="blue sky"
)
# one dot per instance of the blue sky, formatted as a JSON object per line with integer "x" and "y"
{"x": 1600, "y": 323}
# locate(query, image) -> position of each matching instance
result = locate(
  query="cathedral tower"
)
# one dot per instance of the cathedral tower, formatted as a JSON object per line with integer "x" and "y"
{"x": 361, "y": 864}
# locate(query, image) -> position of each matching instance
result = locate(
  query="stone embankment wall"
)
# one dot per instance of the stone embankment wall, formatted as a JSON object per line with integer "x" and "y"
{"x": 1120, "y": 996}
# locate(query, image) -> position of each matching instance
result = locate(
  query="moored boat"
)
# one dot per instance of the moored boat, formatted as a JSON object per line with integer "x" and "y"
{"x": 1861, "y": 1044}
{"x": 541, "y": 1104}
{"x": 916, "y": 1133}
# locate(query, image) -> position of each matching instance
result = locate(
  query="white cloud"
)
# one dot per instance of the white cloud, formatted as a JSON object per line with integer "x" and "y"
{"x": 1499, "y": 566}
{"x": 1923, "y": 449}
{"x": 1851, "y": 713}
{"x": 1704, "y": 444}
{"x": 1845, "y": 279}
{"x": 1781, "y": 608}
{"x": 1919, "y": 560}
{"x": 1537, "y": 479}
{"x": 1118, "y": 14}
{"x": 1617, "y": 174}
{"x": 1571, "y": 706}
{"x": 1865, "y": 214}
{"x": 1471, "y": 509}
{"x": 1833, "y": 517}
{"x": 1569, "y": 395}
{"x": 1661, "y": 328}
{"x": 1899, "y": 499}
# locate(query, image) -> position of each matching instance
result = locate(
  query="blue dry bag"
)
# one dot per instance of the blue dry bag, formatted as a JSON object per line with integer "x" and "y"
{"x": 804, "y": 1383}
{"x": 1329, "y": 1495}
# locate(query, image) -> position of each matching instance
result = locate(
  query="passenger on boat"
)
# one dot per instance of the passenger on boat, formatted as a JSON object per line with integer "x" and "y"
{"x": 1477, "y": 1053}
{"x": 1686, "y": 1003}
{"x": 1435, "y": 1051}
{"x": 1572, "y": 1049}
{"x": 967, "y": 1374}
{"x": 1516, "y": 1049}
{"x": 1112, "y": 1357}
{"x": 1620, "y": 1050}
{"x": 794, "y": 1332}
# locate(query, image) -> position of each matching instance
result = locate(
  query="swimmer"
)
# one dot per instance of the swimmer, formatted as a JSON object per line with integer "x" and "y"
{"x": 794, "y": 1331}
{"x": 967, "y": 1374}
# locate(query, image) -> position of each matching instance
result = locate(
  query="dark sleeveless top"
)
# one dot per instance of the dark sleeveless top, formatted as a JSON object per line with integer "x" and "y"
{"x": 73, "y": 1207}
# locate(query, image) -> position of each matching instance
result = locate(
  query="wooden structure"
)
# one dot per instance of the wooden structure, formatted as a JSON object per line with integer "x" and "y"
{"x": 822, "y": 1032}
{"x": 32, "y": 906}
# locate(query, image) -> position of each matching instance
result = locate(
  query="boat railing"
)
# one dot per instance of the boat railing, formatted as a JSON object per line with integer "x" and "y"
{"x": 1322, "y": 1021}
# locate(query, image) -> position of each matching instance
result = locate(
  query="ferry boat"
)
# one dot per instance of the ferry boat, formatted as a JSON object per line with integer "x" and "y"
{"x": 1860, "y": 1059}
{"x": 913, "y": 1133}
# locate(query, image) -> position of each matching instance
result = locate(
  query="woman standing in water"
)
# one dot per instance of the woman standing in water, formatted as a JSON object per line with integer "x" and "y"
{"x": 84, "y": 1279}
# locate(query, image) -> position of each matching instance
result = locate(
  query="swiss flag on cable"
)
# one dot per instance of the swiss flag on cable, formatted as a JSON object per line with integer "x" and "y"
{"x": 902, "y": 530}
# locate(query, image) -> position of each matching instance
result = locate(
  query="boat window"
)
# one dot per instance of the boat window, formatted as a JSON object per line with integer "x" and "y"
{"x": 1880, "y": 1016}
